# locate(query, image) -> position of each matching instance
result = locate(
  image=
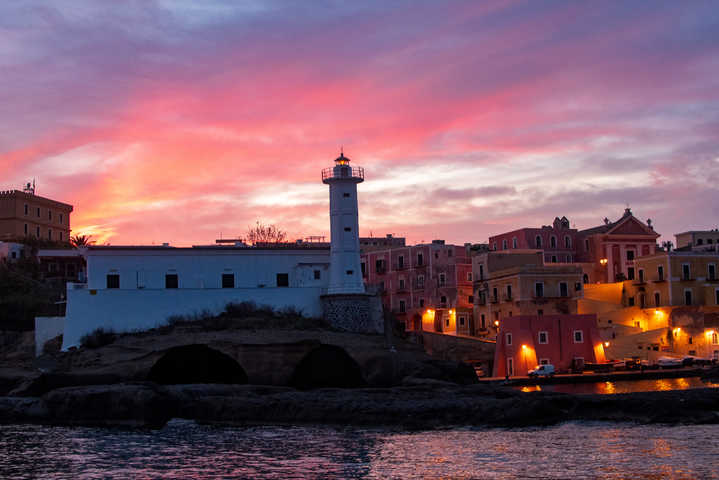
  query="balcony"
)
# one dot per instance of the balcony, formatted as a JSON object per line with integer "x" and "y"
{"x": 398, "y": 266}
{"x": 419, "y": 265}
{"x": 507, "y": 298}
{"x": 402, "y": 288}
{"x": 418, "y": 285}
{"x": 659, "y": 278}
{"x": 380, "y": 270}
{"x": 494, "y": 300}
{"x": 342, "y": 173}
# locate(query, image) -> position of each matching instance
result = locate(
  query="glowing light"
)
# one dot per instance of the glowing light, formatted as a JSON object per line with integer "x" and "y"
{"x": 603, "y": 261}
{"x": 496, "y": 323}
{"x": 606, "y": 344}
{"x": 709, "y": 333}
{"x": 524, "y": 347}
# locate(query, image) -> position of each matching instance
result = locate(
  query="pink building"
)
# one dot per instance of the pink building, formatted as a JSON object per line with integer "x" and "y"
{"x": 418, "y": 278}
{"x": 565, "y": 341}
{"x": 558, "y": 241}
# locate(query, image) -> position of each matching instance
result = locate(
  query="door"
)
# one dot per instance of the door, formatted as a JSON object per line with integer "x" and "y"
{"x": 510, "y": 367}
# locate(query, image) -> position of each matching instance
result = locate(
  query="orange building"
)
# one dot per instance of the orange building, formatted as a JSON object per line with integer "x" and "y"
{"x": 24, "y": 214}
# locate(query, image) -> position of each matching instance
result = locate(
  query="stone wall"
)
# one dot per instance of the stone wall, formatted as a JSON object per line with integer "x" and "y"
{"x": 353, "y": 313}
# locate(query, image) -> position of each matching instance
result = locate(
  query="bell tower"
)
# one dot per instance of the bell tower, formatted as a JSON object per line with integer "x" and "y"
{"x": 345, "y": 271}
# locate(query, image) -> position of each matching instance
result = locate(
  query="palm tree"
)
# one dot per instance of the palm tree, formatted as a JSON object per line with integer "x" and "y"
{"x": 79, "y": 241}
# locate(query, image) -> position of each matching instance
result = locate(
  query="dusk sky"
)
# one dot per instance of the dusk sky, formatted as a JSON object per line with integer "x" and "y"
{"x": 180, "y": 121}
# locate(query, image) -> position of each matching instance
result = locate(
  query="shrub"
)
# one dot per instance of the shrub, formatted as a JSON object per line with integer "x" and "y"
{"x": 98, "y": 338}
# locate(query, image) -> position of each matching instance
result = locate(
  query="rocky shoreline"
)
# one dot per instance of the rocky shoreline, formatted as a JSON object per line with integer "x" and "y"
{"x": 418, "y": 404}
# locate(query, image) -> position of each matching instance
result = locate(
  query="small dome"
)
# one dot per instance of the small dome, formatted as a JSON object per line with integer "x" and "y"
{"x": 342, "y": 160}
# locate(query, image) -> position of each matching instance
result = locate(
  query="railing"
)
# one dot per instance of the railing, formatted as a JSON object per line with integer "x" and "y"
{"x": 507, "y": 298}
{"x": 403, "y": 266}
{"x": 344, "y": 171}
{"x": 418, "y": 285}
{"x": 381, "y": 270}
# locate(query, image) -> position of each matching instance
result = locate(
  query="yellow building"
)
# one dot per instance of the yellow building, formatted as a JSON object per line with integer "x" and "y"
{"x": 24, "y": 214}
{"x": 674, "y": 278}
{"x": 527, "y": 290}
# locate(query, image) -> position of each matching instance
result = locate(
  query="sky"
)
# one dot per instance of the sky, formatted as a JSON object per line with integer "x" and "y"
{"x": 184, "y": 121}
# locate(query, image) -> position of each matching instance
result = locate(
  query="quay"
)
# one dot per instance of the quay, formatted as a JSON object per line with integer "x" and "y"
{"x": 592, "y": 377}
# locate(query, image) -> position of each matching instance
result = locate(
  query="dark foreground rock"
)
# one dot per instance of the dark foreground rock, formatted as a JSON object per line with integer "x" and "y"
{"x": 419, "y": 404}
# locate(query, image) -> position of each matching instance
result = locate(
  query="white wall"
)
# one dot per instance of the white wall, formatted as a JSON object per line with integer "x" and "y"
{"x": 47, "y": 328}
{"x": 132, "y": 310}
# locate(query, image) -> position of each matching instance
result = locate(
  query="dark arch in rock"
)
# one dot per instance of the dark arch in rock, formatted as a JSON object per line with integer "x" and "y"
{"x": 327, "y": 366}
{"x": 196, "y": 364}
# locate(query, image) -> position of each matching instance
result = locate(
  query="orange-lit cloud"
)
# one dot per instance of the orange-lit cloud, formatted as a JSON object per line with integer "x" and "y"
{"x": 164, "y": 121}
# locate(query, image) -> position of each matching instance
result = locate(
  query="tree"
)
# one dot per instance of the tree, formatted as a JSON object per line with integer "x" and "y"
{"x": 78, "y": 241}
{"x": 262, "y": 233}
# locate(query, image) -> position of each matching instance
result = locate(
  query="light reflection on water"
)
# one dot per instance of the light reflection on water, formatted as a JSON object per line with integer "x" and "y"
{"x": 623, "y": 386}
{"x": 186, "y": 450}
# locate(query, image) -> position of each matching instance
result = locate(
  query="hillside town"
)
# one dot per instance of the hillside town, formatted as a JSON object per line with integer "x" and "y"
{"x": 600, "y": 297}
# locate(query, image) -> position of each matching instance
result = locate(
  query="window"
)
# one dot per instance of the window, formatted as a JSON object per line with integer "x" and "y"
{"x": 709, "y": 241}
{"x": 554, "y": 259}
{"x": 494, "y": 246}
{"x": 630, "y": 273}
{"x": 567, "y": 241}
{"x": 59, "y": 218}
{"x": 442, "y": 279}
{"x": 401, "y": 283}
{"x": 402, "y": 306}
{"x": 49, "y": 214}
{"x": 494, "y": 293}
{"x": 481, "y": 271}
{"x": 470, "y": 299}
{"x": 514, "y": 242}
{"x": 469, "y": 276}
{"x": 26, "y": 229}
{"x": 283, "y": 279}
{"x": 539, "y": 290}
{"x": 49, "y": 233}
{"x": 228, "y": 280}
{"x": 510, "y": 367}
{"x": 504, "y": 244}
{"x": 113, "y": 280}
{"x": 509, "y": 292}
{"x": 348, "y": 229}
{"x": 59, "y": 236}
{"x": 642, "y": 300}
{"x": 446, "y": 322}
{"x": 443, "y": 300}
{"x": 715, "y": 338}
{"x": 686, "y": 273}
{"x": 657, "y": 299}
{"x": 544, "y": 361}
{"x": 716, "y": 293}
{"x": 641, "y": 275}
{"x": 346, "y": 195}
{"x": 462, "y": 320}
{"x": 508, "y": 339}
{"x": 538, "y": 241}
{"x": 687, "y": 297}
{"x": 577, "y": 287}
{"x": 436, "y": 254}
{"x": 26, "y": 209}
{"x": 13, "y": 255}
{"x": 660, "y": 273}
{"x": 630, "y": 301}
{"x": 350, "y": 272}
{"x": 171, "y": 280}
{"x": 318, "y": 274}
{"x": 400, "y": 261}
{"x": 585, "y": 278}
{"x": 38, "y": 212}
{"x": 586, "y": 244}
{"x": 450, "y": 252}
{"x": 543, "y": 338}
{"x": 420, "y": 281}
{"x": 578, "y": 336}
{"x": 363, "y": 267}
{"x": 630, "y": 255}
{"x": 37, "y": 232}
{"x": 483, "y": 321}
{"x": 421, "y": 303}
{"x": 553, "y": 241}
{"x": 563, "y": 290}
{"x": 711, "y": 272}
{"x": 420, "y": 259}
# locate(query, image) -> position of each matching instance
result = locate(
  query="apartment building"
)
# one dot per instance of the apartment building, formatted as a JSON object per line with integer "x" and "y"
{"x": 24, "y": 214}
{"x": 698, "y": 240}
{"x": 674, "y": 278}
{"x": 427, "y": 286}
{"x": 557, "y": 241}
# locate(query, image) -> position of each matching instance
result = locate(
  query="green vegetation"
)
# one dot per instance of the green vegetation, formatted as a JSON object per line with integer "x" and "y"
{"x": 98, "y": 338}
{"x": 23, "y": 295}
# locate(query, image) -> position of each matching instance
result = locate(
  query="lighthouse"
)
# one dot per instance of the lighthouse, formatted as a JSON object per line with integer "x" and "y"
{"x": 345, "y": 272}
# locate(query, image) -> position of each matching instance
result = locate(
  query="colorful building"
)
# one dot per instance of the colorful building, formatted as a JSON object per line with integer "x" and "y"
{"x": 698, "y": 239}
{"x": 24, "y": 214}
{"x": 565, "y": 341}
{"x": 381, "y": 243}
{"x": 427, "y": 286}
{"x": 521, "y": 284}
{"x": 557, "y": 241}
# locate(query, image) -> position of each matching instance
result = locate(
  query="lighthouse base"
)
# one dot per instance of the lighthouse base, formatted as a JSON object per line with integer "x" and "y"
{"x": 354, "y": 312}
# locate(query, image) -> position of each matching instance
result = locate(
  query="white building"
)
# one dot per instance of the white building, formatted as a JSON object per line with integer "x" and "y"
{"x": 11, "y": 251}
{"x": 137, "y": 288}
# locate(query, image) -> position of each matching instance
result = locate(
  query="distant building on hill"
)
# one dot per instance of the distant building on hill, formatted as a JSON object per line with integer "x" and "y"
{"x": 24, "y": 214}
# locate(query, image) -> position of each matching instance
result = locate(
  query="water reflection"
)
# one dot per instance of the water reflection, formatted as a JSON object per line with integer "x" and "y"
{"x": 187, "y": 450}
{"x": 623, "y": 386}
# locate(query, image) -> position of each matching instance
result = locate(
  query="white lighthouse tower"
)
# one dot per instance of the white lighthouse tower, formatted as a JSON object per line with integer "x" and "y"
{"x": 345, "y": 271}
